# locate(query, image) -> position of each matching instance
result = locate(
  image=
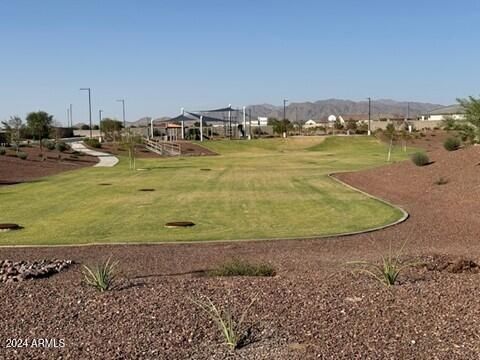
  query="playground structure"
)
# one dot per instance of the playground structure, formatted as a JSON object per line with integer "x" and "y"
{"x": 203, "y": 125}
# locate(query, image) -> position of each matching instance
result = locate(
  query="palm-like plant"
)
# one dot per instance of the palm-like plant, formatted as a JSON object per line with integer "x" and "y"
{"x": 231, "y": 329}
{"x": 388, "y": 270}
{"x": 102, "y": 276}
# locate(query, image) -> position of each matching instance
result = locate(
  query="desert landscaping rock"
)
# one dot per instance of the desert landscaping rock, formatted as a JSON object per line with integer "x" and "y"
{"x": 11, "y": 271}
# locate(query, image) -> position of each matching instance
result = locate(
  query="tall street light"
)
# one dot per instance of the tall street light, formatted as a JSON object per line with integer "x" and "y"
{"x": 285, "y": 101}
{"x": 71, "y": 115}
{"x": 123, "y": 107}
{"x": 369, "y": 115}
{"x": 100, "y": 121}
{"x": 89, "y": 107}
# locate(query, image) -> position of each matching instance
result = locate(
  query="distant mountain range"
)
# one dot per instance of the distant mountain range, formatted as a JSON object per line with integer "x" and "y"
{"x": 320, "y": 110}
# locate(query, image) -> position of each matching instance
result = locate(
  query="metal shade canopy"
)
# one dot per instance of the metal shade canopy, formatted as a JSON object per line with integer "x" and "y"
{"x": 225, "y": 109}
{"x": 207, "y": 118}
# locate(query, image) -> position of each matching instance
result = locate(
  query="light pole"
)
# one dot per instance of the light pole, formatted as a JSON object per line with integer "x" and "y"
{"x": 89, "y": 107}
{"x": 123, "y": 107}
{"x": 285, "y": 101}
{"x": 71, "y": 115}
{"x": 100, "y": 121}
{"x": 369, "y": 115}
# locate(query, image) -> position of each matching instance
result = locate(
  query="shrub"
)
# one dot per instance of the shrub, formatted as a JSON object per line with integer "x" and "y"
{"x": 239, "y": 267}
{"x": 61, "y": 146}
{"x": 22, "y": 155}
{"x": 420, "y": 159}
{"x": 50, "y": 145}
{"x": 102, "y": 276}
{"x": 234, "y": 334}
{"x": 452, "y": 144}
{"x": 94, "y": 143}
{"x": 3, "y": 151}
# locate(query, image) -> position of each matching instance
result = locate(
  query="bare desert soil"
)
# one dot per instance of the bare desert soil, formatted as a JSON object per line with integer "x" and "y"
{"x": 15, "y": 170}
{"x": 313, "y": 308}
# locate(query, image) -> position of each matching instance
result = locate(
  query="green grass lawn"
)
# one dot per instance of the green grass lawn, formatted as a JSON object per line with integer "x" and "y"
{"x": 271, "y": 188}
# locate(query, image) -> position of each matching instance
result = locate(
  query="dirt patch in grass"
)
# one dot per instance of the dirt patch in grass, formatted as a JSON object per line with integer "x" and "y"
{"x": 179, "y": 224}
{"x": 9, "y": 227}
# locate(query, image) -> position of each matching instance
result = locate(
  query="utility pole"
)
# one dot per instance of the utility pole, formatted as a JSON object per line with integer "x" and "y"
{"x": 100, "y": 121}
{"x": 123, "y": 108}
{"x": 89, "y": 107}
{"x": 250, "y": 123}
{"x": 71, "y": 116}
{"x": 244, "y": 121}
{"x": 182, "y": 111}
{"x": 230, "y": 121}
{"x": 285, "y": 116}
{"x": 68, "y": 117}
{"x": 369, "y": 115}
{"x": 408, "y": 110}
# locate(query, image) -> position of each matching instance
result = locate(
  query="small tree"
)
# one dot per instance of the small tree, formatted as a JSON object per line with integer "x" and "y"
{"x": 13, "y": 128}
{"x": 351, "y": 125}
{"x": 391, "y": 134}
{"x": 280, "y": 126}
{"x": 40, "y": 124}
{"x": 111, "y": 129}
{"x": 405, "y": 136}
{"x": 338, "y": 125}
{"x": 130, "y": 141}
{"x": 471, "y": 129}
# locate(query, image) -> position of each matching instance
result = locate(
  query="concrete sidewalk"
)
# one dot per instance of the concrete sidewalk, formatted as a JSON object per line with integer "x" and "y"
{"x": 106, "y": 160}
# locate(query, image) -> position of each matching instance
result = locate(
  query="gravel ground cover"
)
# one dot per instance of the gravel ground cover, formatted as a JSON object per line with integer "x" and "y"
{"x": 313, "y": 308}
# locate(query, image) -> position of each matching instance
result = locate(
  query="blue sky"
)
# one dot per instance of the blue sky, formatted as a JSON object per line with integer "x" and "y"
{"x": 165, "y": 54}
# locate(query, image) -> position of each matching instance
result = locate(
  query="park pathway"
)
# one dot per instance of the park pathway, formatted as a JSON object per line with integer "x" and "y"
{"x": 105, "y": 159}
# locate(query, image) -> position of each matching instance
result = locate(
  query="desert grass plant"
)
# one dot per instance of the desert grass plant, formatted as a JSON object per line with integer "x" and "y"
{"x": 233, "y": 330}
{"x": 452, "y": 144}
{"x": 22, "y": 155}
{"x": 420, "y": 159}
{"x": 387, "y": 270}
{"x": 101, "y": 276}
{"x": 238, "y": 267}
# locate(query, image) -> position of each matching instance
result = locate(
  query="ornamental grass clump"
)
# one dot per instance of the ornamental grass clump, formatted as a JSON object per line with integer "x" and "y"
{"x": 101, "y": 276}
{"x": 233, "y": 331}
{"x": 452, "y": 144}
{"x": 237, "y": 267}
{"x": 387, "y": 271}
{"x": 420, "y": 159}
{"x": 22, "y": 155}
